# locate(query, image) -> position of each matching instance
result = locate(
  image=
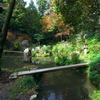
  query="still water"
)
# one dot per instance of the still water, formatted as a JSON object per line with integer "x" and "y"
{"x": 65, "y": 85}
{"x": 59, "y": 85}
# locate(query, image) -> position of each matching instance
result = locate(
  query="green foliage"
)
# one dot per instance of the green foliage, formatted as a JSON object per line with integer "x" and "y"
{"x": 44, "y": 48}
{"x": 79, "y": 13}
{"x": 75, "y": 58}
{"x": 96, "y": 95}
{"x": 95, "y": 48}
{"x": 43, "y": 52}
{"x": 17, "y": 45}
{"x": 59, "y": 48}
{"x": 43, "y": 5}
{"x": 38, "y": 37}
{"x": 22, "y": 86}
{"x": 62, "y": 59}
{"x": 63, "y": 55}
{"x": 94, "y": 70}
{"x": 25, "y": 20}
{"x": 46, "y": 54}
{"x": 34, "y": 53}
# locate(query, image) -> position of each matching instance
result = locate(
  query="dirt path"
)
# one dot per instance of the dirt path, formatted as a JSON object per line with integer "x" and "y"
{"x": 4, "y": 91}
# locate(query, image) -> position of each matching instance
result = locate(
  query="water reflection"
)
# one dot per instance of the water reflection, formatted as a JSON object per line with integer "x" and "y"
{"x": 64, "y": 85}
{"x": 16, "y": 61}
{"x": 12, "y": 61}
{"x": 43, "y": 62}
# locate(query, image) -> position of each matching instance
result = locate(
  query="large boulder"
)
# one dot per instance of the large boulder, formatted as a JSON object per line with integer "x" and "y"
{"x": 25, "y": 43}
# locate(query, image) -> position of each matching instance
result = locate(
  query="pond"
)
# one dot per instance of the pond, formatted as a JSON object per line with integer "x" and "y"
{"x": 65, "y": 85}
{"x": 59, "y": 85}
{"x": 13, "y": 61}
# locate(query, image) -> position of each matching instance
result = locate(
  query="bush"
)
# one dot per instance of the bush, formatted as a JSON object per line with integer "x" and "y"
{"x": 63, "y": 55}
{"x": 17, "y": 46}
{"x": 75, "y": 58}
{"x": 96, "y": 95}
{"x": 22, "y": 86}
{"x": 60, "y": 54}
{"x": 34, "y": 53}
{"x": 94, "y": 72}
{"x": 62, "y": 60}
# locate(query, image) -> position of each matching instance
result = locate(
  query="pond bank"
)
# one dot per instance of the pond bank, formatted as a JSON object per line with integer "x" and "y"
{"x": 6, "y": 90}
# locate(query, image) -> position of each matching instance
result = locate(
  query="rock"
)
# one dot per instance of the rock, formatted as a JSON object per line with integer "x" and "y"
{"x": 32, "y": 49}
{"x": 27, "y": 55}
{"x": 25, "y": 43}
{"x": 13, "y": 76}
{"x": 33, "y": 97}
{"x": 37, "y": 48}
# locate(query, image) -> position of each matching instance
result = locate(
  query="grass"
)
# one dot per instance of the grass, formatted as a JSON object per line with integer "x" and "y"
{"x": 23, "y": 85}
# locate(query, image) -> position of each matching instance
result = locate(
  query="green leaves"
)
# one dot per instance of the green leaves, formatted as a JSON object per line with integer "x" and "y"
{"x": 38, "y": 37}
{"x": 24, "y": 85}
{"x": 96, "y": 95}
{"x": 25, "y": 20}
{"x": 79, "y": 14}
{"x": 43, "y": 5}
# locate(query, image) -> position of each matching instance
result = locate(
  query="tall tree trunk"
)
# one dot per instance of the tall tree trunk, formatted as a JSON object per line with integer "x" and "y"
{"x": 5, "y": 28}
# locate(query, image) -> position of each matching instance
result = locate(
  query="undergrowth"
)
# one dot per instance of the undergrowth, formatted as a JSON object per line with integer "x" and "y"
{"x": 23, "y": 85}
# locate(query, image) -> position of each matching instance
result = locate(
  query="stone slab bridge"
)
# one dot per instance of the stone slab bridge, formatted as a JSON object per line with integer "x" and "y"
{"x": 16, "y": 74}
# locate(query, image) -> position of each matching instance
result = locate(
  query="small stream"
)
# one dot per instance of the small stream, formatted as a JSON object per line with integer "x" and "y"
{"x": 59, "y": 85}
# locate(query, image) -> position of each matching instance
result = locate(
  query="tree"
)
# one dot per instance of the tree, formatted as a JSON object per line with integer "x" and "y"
{"x": 38, "y": 37}
{"x": 2, "y": 16}
{"x": 80, "y": 14}
{"x": 25, "y": 20}
{"x": 43, "y": 5}
{"x": 54, "y": 21}
{"x": 5, "y": 28}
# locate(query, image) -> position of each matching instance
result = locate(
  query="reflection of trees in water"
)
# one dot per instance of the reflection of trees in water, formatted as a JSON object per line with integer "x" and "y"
{"x": 12, "y": 61}
{"x": 63, "y": 85}
{"x": 43, "y": 62}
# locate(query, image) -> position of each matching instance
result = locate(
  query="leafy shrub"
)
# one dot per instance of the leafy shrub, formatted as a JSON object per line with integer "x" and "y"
{"x": 96, "y": 95}
{"x": 38, "y": 37}
{"x": 75, "y": 58}
{"x": 43, "y": 51}
{"x": 17, "y": 45}
{"x": 94, "y": 72}
{"x": 34, "y": 53}
{"x": 62, "y": 55}
{"x": 44, "y": 48}
{"x": 94, "y": 48}
{"x": 22, "y": 86}
{"x": 62, "y": 60}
